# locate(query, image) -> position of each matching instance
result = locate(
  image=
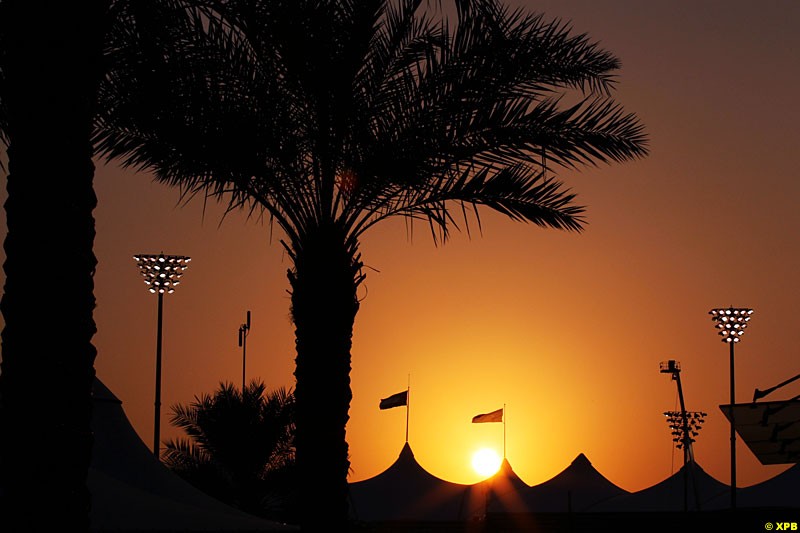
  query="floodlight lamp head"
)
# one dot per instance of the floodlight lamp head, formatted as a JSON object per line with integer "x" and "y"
{"x": 731, "y": 322}
{"x": 161, "y": 272}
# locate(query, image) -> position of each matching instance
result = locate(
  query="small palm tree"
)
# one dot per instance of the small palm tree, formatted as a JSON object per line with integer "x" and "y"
{"x": 334, "y": 115}
{"x": 239, "y": 446}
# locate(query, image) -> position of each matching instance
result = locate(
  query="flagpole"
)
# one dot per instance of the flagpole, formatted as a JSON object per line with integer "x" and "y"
{"x": 408, "y": 404}
{"x": 504, "y": 431}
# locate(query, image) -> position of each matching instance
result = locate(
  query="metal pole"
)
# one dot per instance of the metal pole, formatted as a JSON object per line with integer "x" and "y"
{"x": 157, "y": 415}
{"x": 504, "y": 431}
{"x": 733, "y": 434}
{"x": 686, "y": 443}
{"x": 244, "y": 329}
{"x": 761, "y": 393}
{"x": 244, "y": 357}
{"x": 408, "y": 405}
{"x": 688, "y": 454}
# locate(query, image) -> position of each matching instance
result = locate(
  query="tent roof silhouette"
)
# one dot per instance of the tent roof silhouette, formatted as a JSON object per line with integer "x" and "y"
{"x": 668, "y": 494}
{"x": 781, "y": 491}
{"x": 576, "y": 488}
{"x": 505, "y": 490}
{"x": 405, "y": 491}
{"x": 132, "y": 491}
{"x": 507, "y": 473}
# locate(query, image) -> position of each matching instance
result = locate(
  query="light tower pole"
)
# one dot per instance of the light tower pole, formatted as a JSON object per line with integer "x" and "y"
{"x": 161, "y": 275}
{"x": 731, "y": 323}
{"x": 685, "y": 425}
{"x": 244, "y": 330}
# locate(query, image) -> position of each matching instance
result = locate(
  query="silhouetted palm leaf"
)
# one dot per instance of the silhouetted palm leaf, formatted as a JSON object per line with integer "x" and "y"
{"x": 237, "y": 442}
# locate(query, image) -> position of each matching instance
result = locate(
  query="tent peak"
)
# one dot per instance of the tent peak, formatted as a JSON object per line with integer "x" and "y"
{"x": 581, "y": 460}
{"x": 406, "y": 452}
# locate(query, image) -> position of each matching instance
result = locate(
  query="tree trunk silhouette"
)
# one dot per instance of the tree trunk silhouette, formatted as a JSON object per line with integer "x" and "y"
{"x": 51, "y": 63}
{"x": 326, "y": 275}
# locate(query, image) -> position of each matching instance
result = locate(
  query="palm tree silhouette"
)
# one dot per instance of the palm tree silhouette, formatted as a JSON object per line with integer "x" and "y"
{"x": 50, "y": 66}
{"x": 239, "y": 446}
{"x": 332, "y": 116}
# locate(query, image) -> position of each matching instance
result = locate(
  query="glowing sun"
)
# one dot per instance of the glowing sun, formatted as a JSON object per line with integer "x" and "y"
{"x": 486, "y": 462}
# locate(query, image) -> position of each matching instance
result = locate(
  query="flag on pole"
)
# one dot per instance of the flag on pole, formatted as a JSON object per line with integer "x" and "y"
{"x": 494, "y": 416}
{"x": 395, "y": 400}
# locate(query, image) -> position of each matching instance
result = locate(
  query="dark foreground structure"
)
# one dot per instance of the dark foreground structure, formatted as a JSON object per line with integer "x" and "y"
{"x": 132, "y": 492}
{"x": 743, "y": 520}
{"x": 406, "y": 498}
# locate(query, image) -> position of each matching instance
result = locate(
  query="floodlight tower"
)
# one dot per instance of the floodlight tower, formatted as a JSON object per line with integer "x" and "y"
{"x": 161, "y": 274}
{"x": 731, "y": 323}
{"x": 674, "y": 368}
{"x": 685, "y": 425}
{"x": 244, "y": 330}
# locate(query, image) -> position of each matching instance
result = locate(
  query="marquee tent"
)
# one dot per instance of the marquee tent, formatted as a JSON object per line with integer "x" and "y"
{"x": 668, "y": 495}
{"x": 781, "y": 491}
{"x": 407, "y": 492}
{"x": 504, "y": 490}
{"x": 577, "y": 488}
{"x": 132, "y": 491}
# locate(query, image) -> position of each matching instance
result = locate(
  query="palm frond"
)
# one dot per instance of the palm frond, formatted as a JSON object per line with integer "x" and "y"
{"x": 245, "y": 433}
{"x": 183, "y": 455}
{"x": 355, "y": 111}
{"x": 521, "y": 193}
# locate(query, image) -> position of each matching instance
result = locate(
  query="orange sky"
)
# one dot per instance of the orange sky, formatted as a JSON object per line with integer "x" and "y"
{"x": 567, "y": 330}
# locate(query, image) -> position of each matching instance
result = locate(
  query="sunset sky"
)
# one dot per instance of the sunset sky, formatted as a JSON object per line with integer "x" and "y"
{"x": 567, "y": 330}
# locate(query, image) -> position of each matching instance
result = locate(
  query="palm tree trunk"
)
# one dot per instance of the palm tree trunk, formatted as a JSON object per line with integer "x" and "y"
{"x": 324, "y": 281}
{"x": 51, "y": 65}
